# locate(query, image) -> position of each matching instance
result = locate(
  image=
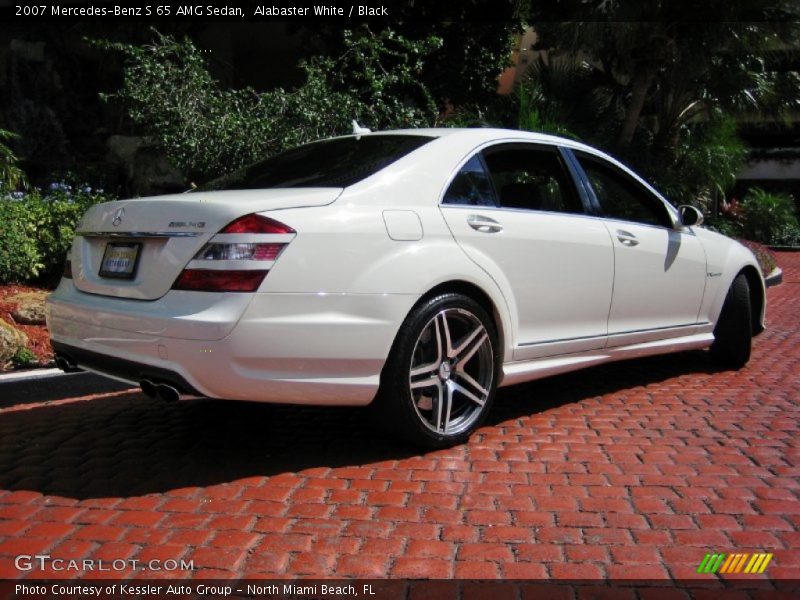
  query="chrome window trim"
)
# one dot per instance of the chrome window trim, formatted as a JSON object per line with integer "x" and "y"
{"x": 138, "y": 234}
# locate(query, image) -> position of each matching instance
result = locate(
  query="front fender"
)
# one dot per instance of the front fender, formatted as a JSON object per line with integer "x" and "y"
{"x": 727, "y": 258}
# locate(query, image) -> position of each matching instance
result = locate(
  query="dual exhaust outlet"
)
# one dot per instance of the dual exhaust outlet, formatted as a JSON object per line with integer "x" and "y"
{"x": 163, "y": 391}
{"x": 151, "y": 389}
{"x": 66, "y": 364}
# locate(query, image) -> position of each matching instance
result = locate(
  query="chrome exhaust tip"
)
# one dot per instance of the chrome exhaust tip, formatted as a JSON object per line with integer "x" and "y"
{"x": 148, "y": 388}
{"x": 167, "y": 392}
{"x": 65, "y": 364}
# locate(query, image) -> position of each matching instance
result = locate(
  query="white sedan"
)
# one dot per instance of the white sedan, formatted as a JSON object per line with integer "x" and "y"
{"x": 416, "y": 271}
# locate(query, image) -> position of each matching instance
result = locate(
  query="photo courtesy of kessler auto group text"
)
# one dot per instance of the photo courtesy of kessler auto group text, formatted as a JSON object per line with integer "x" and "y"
{"x": 400, "y": 300}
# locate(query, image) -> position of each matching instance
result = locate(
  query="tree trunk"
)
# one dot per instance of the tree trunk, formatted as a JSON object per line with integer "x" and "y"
{"x": 639, "y": 88}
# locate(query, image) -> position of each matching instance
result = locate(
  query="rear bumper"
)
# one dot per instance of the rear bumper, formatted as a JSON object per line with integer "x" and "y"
{"x": 122, "y": 369}
{"x": 323, "y": 349}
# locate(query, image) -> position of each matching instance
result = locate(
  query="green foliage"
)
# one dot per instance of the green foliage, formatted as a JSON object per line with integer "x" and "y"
{"x": 472, "y": 56}
{"x": 502, "y": 111}
{"x": 760, "y": 217}
{"x": 477, "y": 40}
{"x": 557, "y": 96}
{"x": 563, "y": 96}
{"x": 207, "y": 130}
{"x": 536, "y": 113}
{"x": 24, "y": 358}
{"x": 660, "y": 91}
{"x": 786, "y": 235}
{"x": 768, "y": 218}
{"x": 725, "y": 226}
{"x": 20, "y": 258}
{"x": 37, "y": 227}
{"x": 702, "y": 161}
{"x": 11, "y": 176}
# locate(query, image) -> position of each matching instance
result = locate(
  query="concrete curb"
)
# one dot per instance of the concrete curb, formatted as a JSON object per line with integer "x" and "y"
{"x": 30, "y": 374}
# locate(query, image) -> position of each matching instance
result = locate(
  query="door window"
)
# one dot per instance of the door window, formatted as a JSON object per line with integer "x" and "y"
{"x": 531, "y": 178}
{"x": 519, "y": 176}
{"x": 622, "y": 197}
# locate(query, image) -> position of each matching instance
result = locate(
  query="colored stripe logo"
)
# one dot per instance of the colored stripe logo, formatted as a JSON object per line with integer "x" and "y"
{"x": 735, "y": 563}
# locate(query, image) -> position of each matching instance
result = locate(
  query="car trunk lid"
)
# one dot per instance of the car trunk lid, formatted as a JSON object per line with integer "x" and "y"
{"x": 147, "y": 242}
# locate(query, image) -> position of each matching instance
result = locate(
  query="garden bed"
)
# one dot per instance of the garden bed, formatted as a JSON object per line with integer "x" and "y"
{"x": 40, "y": 353}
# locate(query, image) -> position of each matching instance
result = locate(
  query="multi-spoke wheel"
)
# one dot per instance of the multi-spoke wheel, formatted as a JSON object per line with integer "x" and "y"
{"x": 440, "y": 378}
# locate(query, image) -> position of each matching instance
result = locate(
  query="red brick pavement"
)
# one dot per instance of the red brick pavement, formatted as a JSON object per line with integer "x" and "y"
{"x": 633, "y": 470}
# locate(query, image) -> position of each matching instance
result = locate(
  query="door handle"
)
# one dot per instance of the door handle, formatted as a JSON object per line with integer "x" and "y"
{"x": 626, "y": 238}
{"x": 484, "y": 224}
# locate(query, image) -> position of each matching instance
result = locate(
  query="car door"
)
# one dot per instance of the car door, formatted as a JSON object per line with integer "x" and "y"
{"x": 659, "y": 268}
{"x": 515, "y": 211}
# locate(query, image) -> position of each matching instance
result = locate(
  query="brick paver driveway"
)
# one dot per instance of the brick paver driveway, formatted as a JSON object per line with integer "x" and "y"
{"x": 633, "y": 470}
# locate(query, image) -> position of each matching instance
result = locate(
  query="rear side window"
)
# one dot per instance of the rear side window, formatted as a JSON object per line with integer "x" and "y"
{"x": 471, "y": 186}
{"x": 331, "y": 163}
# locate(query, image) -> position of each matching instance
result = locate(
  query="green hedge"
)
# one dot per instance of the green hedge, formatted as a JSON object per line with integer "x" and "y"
{"x": 762, "y": 217}
{"x": 37, "y": 227}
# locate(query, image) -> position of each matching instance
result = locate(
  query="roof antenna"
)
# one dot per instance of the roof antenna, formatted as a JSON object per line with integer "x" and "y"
{"x": 358, "y": 130}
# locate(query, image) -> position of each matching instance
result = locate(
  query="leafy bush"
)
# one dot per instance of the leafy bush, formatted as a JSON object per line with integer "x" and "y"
{"x": 20, "y": 258}
{"x": 24, "y": 358}
{"x": 724, "y": 226}
{"x": 37, "y": 227}
{"x": 207, "y": 130}
{"x": 703, "y": 160}
{"x": 768, "y": 216}
{"x": 760, "y": 217}
{"x": 730, "y": 219}
{"x": 787, "y": 235}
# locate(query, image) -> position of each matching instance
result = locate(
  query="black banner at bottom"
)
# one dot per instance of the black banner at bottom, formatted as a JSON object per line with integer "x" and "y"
{"x": 375, "y": 589}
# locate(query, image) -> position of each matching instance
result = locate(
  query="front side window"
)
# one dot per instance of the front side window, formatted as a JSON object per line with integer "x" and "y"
{"x": 339, "y": 162}
{"x": 620, "y": 196}
{"x": 531, "y": 178}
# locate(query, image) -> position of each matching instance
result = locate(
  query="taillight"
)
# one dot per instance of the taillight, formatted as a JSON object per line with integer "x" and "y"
{"x": 207, "y": 280}
{"x": 255, "y": 251}
{"x": 256, "y": 224}
{"x": 237, "y": 258}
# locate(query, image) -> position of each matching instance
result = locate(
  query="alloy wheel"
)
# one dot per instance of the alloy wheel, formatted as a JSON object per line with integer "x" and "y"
{"x": 452, "y": 371}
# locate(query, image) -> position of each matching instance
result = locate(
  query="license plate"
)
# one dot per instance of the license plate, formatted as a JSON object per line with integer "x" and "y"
{"x": 119, "y": 260}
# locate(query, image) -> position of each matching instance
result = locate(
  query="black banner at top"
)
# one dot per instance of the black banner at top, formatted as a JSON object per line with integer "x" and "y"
{"x": 249, "y": 10}
{"x": 385, "y": 11}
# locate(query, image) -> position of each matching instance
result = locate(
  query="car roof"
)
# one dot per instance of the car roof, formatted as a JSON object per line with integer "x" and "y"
{"x": 485, "y": 134}
{"x": 482, "y": 135}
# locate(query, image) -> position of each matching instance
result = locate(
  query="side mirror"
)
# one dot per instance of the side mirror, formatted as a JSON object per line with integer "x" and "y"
{"x": 689, "y": 215}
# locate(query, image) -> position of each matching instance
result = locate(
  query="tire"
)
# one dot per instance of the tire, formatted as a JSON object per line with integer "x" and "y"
{"x": 440, "y": 379}
{"x": 734, "y": 330}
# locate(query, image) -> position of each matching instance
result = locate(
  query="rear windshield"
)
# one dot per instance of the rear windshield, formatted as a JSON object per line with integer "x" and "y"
{"x": 331, "y": 163}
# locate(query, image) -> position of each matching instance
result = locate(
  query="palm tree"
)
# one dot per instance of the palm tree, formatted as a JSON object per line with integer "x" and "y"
{"x": 660, "y": 91}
